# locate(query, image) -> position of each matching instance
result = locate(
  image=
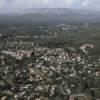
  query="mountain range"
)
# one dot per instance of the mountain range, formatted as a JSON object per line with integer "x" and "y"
{"x": 51, "y": 14}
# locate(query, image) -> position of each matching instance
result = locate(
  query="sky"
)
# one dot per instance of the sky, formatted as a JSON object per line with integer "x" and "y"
{"x": 7, "y": 6}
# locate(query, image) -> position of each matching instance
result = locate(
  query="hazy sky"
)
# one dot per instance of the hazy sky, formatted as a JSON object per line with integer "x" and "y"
{"x": 20, "y": 5}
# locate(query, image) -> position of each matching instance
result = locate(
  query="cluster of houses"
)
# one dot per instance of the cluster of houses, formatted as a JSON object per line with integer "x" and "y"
{"x": 50, "y": 74}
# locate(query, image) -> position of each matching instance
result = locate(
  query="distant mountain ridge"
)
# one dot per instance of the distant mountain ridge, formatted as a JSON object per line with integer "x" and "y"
{"x": 47, "y": 10}
{"x": 59, "y": 11}
{"x": 51, "y": 14}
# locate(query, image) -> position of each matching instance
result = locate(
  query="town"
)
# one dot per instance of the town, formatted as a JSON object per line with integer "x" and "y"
{"x": 52, "y": 62}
